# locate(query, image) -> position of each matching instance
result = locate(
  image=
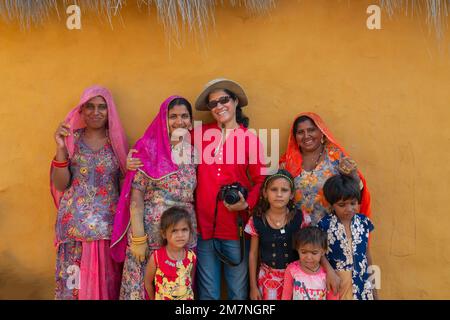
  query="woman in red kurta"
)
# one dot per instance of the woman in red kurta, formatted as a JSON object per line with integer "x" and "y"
{"x": 229, "y": 153}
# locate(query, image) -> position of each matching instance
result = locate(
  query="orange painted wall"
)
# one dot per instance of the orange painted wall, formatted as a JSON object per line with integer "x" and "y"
{"x": 385, "y": 95}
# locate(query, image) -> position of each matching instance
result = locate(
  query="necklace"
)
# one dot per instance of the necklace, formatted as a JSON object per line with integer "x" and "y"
{"x": 277, "y": 223}
{"x": 280, "y": 224}
{"x": 318, "y": 159}
{"x": 177, "y": 257}
{"x": 314, "y": 271}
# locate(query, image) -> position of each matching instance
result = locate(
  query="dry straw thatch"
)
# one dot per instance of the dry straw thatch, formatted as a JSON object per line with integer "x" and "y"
{"x": 436, "y": 11}
{"x": 194, "y": 16}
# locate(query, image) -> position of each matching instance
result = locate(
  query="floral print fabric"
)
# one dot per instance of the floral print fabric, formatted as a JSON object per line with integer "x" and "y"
{"x": 67, "y": 275}
{"x": 173, "y": 279}
{"x": 176, "y": 189}
{"x": 309, "y": 197}
{"x": 350, "y": 254}
{"x": 87, "y": 208}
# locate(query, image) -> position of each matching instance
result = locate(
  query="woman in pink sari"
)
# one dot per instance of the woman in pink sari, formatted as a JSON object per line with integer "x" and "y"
{"x": 85, "y": 180}
{"x": 166, "y": 177}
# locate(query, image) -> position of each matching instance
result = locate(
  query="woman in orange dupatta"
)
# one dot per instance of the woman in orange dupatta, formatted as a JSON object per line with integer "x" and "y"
{"x": 312, "y": 156}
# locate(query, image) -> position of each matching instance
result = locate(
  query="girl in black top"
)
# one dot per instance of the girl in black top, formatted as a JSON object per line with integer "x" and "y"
{"x": 272, "y": 226}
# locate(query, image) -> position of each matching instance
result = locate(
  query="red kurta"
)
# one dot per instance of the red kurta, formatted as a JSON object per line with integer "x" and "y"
{"x": 223, "y": 164}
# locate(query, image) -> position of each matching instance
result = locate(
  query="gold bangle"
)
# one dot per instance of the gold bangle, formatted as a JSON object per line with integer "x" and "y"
{"x": 139, "y": 243}
{"x": 139, "y": 240}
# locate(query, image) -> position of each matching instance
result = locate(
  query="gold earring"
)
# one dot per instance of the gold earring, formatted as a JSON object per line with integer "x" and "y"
{"x": 322, "y": 140}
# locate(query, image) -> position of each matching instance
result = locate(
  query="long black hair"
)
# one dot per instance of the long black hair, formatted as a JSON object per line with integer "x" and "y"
{"x": 241, "y": 118}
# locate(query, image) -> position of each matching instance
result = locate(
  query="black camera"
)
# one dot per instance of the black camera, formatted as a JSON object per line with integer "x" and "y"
{"x": 230, "y": 193}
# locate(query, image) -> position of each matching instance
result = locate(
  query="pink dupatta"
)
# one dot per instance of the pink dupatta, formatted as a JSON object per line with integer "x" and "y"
{"x": 115, "y": 130}
{"x": 156, "y": 156}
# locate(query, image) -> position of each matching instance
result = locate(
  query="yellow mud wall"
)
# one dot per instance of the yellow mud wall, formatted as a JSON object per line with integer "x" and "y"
{"x": 385, "y": 95}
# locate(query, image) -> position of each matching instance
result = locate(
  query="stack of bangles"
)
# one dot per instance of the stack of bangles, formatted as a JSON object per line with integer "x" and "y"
{"x": 60, "y": 164}
{"x": 139, "y": 240}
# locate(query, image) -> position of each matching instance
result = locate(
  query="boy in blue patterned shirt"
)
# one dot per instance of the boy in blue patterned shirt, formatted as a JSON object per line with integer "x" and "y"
{"x": 348, "y": 235}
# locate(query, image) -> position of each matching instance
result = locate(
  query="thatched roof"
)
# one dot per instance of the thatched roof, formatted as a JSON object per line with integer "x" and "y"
{"x": 192, "y": 12}
{"x": 194, "y": 16}
{"x": 436, "y": 11}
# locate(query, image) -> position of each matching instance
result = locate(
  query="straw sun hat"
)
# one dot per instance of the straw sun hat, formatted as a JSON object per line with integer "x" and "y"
{"x": 218, "y": 84}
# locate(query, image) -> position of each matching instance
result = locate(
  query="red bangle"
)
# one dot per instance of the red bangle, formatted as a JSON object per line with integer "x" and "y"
{"x": 60, "y": 164}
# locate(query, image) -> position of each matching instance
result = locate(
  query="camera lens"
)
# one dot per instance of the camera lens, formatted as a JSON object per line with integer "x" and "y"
{"x": 232, "y": 197}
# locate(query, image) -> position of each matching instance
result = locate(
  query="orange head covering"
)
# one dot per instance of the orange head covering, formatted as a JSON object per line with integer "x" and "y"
{"x": 292, "y": 159}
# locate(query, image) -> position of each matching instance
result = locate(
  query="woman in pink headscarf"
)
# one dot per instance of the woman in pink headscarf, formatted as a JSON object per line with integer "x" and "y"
{"x": 166, "y": 177}
{"x": 90, "y": 159}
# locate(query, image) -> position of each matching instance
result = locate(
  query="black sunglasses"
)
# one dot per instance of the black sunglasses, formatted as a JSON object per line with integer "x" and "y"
{"x": 222, "y": 100}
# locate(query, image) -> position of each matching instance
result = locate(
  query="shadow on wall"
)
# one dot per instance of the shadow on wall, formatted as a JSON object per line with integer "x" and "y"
{"x": 22, "y": 282}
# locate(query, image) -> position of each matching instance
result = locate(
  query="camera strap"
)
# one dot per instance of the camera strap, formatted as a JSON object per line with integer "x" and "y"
{"x": 222, "y": 257}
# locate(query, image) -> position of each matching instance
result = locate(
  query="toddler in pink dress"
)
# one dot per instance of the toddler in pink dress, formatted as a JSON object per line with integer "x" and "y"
{"x": 305, "y": 279}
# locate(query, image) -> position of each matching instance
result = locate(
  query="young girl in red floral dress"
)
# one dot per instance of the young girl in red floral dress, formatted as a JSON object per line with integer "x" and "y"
{"x": 170, "y": 270}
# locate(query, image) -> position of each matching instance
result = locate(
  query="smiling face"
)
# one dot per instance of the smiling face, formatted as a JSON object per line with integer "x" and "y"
{"x": 308, "y": 136}
{"x": 346, "y": 209}
{"x": 226, "y": 112}
{"x": 278, "y": 193}
{"x": 178, "y": 234}
{"x": 95, "y": 113}
{"x": 178, "y": 117}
